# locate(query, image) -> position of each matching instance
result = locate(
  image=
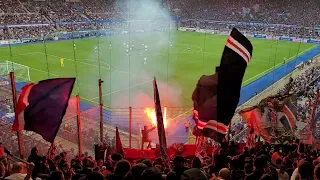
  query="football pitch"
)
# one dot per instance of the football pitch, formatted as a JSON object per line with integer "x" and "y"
{"x": 177, "y": 59}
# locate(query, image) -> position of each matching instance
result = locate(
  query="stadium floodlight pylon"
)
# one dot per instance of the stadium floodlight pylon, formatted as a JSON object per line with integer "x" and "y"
{"x": 21, "y": 72}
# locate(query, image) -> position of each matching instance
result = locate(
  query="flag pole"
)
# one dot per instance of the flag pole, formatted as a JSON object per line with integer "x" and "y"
{"x": 228, "y": 133}
{"x": 79, "y": 126}
{"x": 14, "y": 98}
{"x": 130, "y": 127}
{"x": 101, "y": 110}
{"x": 15, "y": 158}
{"x": 313, "y": 116}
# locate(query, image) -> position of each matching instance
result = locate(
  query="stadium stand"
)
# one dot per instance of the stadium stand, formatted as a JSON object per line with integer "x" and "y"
{"x": 302, "y": 19}
{"x": 263, "y": 161}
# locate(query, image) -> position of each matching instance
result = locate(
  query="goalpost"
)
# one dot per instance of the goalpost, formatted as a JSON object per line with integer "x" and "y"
{"x": 21, "y": 71}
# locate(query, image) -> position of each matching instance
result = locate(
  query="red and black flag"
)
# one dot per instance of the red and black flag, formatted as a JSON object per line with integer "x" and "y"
{"x": 205, "y": 101}
{"x": 216, "y": 96}
{"x": 235, "y": 58}
{"x": 160, "y": 125}
{"x": 119, "y": 147}
{"x": 41, "y": 106}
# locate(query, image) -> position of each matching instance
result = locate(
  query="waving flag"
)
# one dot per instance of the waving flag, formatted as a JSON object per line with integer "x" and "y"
{"x": 41, "y": 106}
{"x": 252, "y": 116}
{"x": 161, "y": 130}
{"x": 235, "y": 58}
{"x": 290, "y": 111}
{"x": 204, "y": 100}
{"x": 119, "y": 147}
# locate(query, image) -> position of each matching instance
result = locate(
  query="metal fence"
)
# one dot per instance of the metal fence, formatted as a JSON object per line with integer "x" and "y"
{"x": 130, "y": 121}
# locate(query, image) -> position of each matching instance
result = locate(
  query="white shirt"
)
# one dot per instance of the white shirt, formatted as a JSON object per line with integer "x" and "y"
{"x": 17, "y": 176}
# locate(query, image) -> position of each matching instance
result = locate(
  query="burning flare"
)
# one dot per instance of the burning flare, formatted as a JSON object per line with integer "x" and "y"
{"x": 150, "y": 112}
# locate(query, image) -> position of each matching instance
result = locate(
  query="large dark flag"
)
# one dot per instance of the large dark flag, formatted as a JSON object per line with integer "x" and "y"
{"x": 160, "y": 125}
{"x": 119, "y": 147}
{"x": 205, "y": 101}
{"x": 235, "y": 58}
{"x": 216, "y": 96}
{"x": 41, "y": 106}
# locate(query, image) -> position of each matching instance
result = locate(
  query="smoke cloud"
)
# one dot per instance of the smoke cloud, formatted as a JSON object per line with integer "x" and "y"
{"x": 147, "y": 35}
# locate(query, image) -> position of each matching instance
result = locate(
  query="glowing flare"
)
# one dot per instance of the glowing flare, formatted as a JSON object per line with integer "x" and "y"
{"x": 152, "y": 116}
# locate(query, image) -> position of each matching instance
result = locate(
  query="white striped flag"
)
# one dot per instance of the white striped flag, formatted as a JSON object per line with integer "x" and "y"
{"x": 235, "y": 58}
{"x": 216, "y": 96}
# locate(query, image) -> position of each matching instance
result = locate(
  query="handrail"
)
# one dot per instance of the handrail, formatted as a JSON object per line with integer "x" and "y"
{"x": 243, "y": 131}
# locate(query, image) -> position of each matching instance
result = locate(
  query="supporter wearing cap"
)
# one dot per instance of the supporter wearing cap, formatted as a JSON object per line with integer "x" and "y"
{"x": 179, "y": 167}
{"x": 115, "y": 158}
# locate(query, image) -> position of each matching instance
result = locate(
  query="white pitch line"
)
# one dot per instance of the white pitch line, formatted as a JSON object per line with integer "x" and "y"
{"x": 76, "y": 61}
{"x": 19, "y": 54}
{"x": 124, "y": 72}
{"x": 122, "y": 89}
{"x": 90, "y": 65}
{"x": 273, "y": 67}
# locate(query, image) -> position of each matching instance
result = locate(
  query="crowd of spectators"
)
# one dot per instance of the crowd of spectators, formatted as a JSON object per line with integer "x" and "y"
{"x": 275, "y": 12}
{"x": 33, "y": 32}
{"x": 262, "y": 162}
{"x": 17, "y": 19}
{"x": 67, "y": 17}
{"x": 11, "y": 6}
{"x": 302, "y": 13}
{"x": 306, "y": 86}
{"x": 54, "y": 12}
{"x": 255, "y": 163}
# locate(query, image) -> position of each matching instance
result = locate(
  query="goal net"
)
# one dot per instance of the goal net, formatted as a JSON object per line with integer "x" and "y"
{"x": 21, "y": 72}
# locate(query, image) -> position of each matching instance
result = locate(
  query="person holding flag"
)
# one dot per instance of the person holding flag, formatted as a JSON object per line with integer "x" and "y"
{"x": 61, "y": 62}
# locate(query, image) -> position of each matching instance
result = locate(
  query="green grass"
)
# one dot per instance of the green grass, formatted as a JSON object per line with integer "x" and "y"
{"x": 177, "y": 69}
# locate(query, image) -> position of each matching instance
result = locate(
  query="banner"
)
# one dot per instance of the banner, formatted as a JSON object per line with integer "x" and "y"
{"x": 259, "y": 36}
{"x": 314, "y": 41}
{"x": 285, "y": 39}
{"x": 274, "y": 119}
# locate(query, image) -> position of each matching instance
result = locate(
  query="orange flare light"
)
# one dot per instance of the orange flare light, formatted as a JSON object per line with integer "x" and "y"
{"x": 150, "y": 112}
